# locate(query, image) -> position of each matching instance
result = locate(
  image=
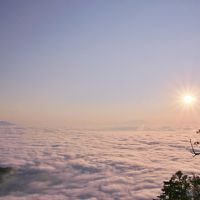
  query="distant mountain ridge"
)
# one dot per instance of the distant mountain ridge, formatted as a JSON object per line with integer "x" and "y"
{"x": 6, "y": 123}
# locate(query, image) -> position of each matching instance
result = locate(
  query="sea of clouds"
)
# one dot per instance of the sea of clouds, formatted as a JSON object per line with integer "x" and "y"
{"x": 62, "y": 164}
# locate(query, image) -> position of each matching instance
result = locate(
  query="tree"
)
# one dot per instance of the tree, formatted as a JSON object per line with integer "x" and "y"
{"x": 181, "y": 187}
{"x": 197, "y": 143}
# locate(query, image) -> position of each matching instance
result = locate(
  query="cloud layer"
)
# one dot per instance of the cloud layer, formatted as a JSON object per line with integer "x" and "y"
{"x": 69, "y": 164}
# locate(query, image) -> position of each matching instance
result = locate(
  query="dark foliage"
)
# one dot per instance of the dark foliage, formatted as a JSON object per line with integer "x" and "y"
{"x": 3, "y": 171}
{"x": 181, "y": 187}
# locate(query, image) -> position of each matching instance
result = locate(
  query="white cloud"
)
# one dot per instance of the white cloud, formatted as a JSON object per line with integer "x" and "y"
{"x": 63, "y": 164}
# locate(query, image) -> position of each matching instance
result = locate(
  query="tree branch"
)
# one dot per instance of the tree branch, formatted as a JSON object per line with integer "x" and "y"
{"x": 193, "y": 150}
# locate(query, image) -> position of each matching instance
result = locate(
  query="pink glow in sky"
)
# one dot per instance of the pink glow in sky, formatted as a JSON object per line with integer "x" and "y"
{"x": 94, "y": 63}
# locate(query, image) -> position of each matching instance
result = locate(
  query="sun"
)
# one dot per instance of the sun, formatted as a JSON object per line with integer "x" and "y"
{"x": 189, "y": 99}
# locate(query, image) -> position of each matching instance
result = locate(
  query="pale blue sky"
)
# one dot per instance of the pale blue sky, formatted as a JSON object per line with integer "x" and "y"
{"x": 89, "y": 62}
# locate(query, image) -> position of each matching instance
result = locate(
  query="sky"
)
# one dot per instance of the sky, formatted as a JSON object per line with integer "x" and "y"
{"x": 97, "y": 63}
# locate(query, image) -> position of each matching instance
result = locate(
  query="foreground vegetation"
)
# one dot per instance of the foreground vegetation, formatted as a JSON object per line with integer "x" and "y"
{"x": 4, "y": 171}
{"x": 181, "y": 187}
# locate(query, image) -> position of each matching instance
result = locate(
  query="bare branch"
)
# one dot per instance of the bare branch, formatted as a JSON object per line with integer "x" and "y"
{"x": 198, "y": 131}
{"x": 193, "y": 150}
